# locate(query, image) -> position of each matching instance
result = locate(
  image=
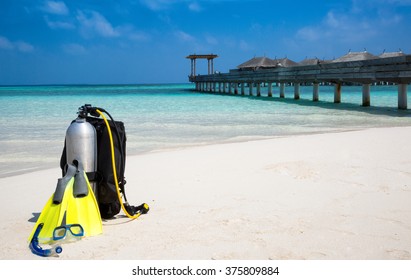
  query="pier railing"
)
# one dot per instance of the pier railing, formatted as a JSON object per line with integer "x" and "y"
{"x": 391, "y": 69}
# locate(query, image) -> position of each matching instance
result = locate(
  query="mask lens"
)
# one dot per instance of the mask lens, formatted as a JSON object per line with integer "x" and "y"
{"x": 76, "y": 230}
{"x": 59, "y": 233}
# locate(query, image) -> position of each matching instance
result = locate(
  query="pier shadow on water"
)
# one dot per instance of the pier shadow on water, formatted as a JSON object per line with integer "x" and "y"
{"x": 344, "y": 106}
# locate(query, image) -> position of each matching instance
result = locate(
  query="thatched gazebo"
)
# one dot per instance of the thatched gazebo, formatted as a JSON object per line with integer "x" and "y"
{"x": 257, "y": 63}
{"x": 391, "y": 54}
{"x": 285, "y": 62}
{"x": 355, "y": 56}
{"x": 310, "y": 61}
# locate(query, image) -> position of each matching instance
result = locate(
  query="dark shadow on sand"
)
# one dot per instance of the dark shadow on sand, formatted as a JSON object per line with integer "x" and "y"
{"x": 35, "y": 217}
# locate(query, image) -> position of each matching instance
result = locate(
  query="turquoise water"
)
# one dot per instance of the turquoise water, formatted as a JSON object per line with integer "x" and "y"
{"x": 34, "y": 118}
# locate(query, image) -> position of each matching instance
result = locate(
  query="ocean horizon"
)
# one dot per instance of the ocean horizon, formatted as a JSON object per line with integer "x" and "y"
{"x": 170, "y": 116}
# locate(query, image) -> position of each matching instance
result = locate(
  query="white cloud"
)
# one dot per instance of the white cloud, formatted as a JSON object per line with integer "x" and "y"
{"x": 195, "y": 7}
{"x": 21, "y": 46}
{"x": 5, "y": 43}
{"x": 156, "y": 5}
{"x": 370, "y": 24}
{"x": 128, "y": 31}
{"x": 398, "y": 2}
{"x": 391, "y": 20}
{"x": 332, "y": 21}
{"x": 244, "y": 46}
{"x": 343, "y": 27}
{"x": 183, "y": 36}
{"x": 309, "y": 34}
{"x": 59, "y": 24}
{"x": 138, "y": 36}
{"x": 56, "y": 8}
{"x": 211, "y": 40}
{"x": 74, "y": 49}
{"x": 93, "y": 23}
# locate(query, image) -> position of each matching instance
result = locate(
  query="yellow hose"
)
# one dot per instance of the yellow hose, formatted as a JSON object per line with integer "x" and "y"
{"x": 113, "y": 162}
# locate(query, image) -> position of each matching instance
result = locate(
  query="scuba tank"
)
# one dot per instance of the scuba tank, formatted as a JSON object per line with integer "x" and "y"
{"x": 89, "y": 140}
{"x": 81, "y": 145}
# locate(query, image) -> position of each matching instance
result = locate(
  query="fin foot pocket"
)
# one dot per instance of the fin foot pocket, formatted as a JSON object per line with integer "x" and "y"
{"x": 62, "y": 184}
{"x": 80, "y": 188}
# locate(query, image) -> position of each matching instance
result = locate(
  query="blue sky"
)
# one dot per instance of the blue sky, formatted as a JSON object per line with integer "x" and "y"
{"x": 146, "y": 41}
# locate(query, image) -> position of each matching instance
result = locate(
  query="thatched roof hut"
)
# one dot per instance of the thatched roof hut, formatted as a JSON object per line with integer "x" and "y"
{"x": 391, "y": 54}
{"x": 310, "y": 61}
{"x": 285, "y": 62}
{"x": 355, "y": 56}
{"x": 258, "y": 62}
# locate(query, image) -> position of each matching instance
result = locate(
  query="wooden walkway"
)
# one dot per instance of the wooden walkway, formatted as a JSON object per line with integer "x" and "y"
{"x": 366, "y": 72}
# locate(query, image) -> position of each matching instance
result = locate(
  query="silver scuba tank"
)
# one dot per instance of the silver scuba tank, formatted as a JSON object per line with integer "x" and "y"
{"x": 81, "y": 145}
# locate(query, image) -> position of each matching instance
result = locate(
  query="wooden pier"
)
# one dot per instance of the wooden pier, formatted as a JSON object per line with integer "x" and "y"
{"x": 395, "y": 70}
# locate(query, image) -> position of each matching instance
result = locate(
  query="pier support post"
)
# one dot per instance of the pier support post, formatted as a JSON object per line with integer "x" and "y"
{"x": 366, "y": 95}
{"x": 236, "y": 88}
{"x": 224, "y": 87}
{"x": 270, "y": 89}
{"x": 282, "y": 90}
{"x": 242, "y": 88}
{"x": 219, "y": 86}
{"x": 258, "y": 89}
{"x": 337, "y": 93}
{"x": 297, "y": 91}
{"x": 230, "y": 91}
{"x": 193, "y": 67}
{"x": 316, "y": 89}
{"x": 250, "y": 88}
{"x": 402, "y": 96}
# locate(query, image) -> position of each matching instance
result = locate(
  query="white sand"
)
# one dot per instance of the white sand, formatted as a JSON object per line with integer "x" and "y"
{"x": 326, "y": 196}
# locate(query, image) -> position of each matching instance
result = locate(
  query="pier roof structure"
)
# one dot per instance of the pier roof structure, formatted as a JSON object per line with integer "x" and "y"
{"x": 202, "y": 56}
{"x": 209, "y": 57}
{"x": 286, "y": 62}
{"x": 354, "y": 56}
{"x": 258, "y": 62}
{"x": 389, "y": 69}
{"x": 310, "y": 61}
{"x": 352, "y": 69}
{"x": 391, "y": 54}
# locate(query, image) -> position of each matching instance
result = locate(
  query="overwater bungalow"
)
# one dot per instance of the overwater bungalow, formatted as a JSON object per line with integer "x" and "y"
{"x": 355, "y": 56}
{"x": 258, "y": 63}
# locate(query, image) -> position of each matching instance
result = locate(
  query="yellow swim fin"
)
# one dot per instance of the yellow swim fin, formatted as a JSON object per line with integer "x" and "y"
{"x": 53, "y": 212}
{"x": 82, "y": 205}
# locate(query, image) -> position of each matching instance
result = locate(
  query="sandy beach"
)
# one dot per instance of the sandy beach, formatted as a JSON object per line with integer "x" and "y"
{"x": 343, "y": 196}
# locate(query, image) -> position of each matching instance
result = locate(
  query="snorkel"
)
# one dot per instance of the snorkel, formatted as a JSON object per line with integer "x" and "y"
{"x": 65, "y": 233}
{"x": 36, "y": 249}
